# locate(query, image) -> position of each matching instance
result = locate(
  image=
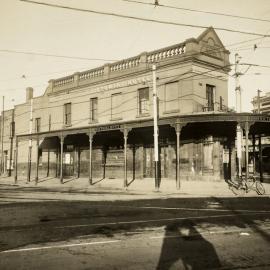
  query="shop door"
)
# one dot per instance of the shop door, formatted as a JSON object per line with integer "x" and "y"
{"x": 68, "y": 162}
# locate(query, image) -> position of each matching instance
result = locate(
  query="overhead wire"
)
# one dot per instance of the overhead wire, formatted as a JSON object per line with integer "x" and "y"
{"x": 109, "y": 109}
{"x": 173, "y": 78}
{"x": 24, "y": 76}
{"x": 199, "y": 53}
{"x": 102, "y": 113}
{"x": 219, "y": 49}
{"x": 115, "y": 60}
{"x": 141, "y": 18}
{"x": 119, "y": 87}
{"x": 255, "y": 65}
{"x": 56, "y": 55}
{"x": 197, "y": 11}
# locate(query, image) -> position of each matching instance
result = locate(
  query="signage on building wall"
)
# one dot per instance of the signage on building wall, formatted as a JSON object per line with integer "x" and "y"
{"x": 110, "y": 127}
{"x": 112, "y": 86}
{"x": 125, "y": 83}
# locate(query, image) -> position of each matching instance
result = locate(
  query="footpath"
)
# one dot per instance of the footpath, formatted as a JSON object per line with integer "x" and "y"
{"x": 142, "y": 187}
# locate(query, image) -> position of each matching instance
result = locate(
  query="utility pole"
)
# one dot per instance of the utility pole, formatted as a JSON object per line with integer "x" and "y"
{"x": 238, "y": 110}
{"x": 155, "y": 114}
{"x": 2, "y": 136}
{"x": 260, "y": 137}
{"x": 12, "y": 132}
{"x": 48, "y": 165}
{"x": 30, "y": 140}
{"x": 258, "y": 101}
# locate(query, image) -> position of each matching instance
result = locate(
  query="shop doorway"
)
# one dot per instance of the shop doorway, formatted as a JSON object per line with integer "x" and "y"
{"x": 68, "y": 164}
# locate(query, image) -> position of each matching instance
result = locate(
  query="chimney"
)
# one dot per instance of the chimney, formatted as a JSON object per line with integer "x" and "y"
{"x": 29, "y": 93}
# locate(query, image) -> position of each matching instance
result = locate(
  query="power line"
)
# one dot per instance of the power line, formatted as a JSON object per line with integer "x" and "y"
{"x": 208, "y": 51}
{"x": 193, "y": 54}
{"x": 124, "y": 101}
{"x": 56, "y": 55}
{"x": 254, "y": 65}
{"x": 25, "y": 76}
{"x": 142, "y": 19}
{"x": 198, "y": 11}
{"x": 93, "y": 94}
{"x": 174, "y": 77}
{"x": 108, "y": 112}
{"x": 14, "y": 89}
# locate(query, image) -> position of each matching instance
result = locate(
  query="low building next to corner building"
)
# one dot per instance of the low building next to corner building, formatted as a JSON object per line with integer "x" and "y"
{"x": 98, "y": 123}
{"x": 261, "y": 103}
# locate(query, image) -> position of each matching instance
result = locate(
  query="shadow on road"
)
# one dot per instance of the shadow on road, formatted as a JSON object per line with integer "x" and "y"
{"x": 28, "y": 223}
{"x": 182, "y": 242}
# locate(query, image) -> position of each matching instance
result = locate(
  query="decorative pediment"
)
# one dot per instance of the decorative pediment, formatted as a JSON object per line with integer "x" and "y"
{"x": 210, "y": 43}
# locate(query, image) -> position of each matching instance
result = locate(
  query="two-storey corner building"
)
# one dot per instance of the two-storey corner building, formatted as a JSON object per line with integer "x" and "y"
{"x": 99, "y": 123}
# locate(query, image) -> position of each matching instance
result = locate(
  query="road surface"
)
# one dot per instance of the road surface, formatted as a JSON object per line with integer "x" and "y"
{"x": 50, "y": 230}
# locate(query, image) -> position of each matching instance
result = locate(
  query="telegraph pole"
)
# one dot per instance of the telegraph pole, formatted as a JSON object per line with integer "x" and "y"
{"x": 2, "y": 136}
{"x": 260, "y": 138}
{"x": 238, "y": 110}
{"x": 155, "y": 114}
{"x": 12, "y": 132}
{"x": 48, "y": 166}
{"x": 30, "y": 141}
{"x": 258, "y": 101}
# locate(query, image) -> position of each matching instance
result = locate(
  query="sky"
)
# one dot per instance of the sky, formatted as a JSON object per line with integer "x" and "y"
{"x": 28, "y": 27}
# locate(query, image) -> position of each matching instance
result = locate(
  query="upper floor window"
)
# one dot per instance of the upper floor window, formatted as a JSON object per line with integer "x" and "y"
{"x": 67, "y": 114}
{"x": 116, "y": 110}
{"x": 93, "y": 109}
{"x": 37, "y": 125}
{"x": 143, "y": 99}
{"x": 171, "y": 97}
{"x": 210, "y": 96}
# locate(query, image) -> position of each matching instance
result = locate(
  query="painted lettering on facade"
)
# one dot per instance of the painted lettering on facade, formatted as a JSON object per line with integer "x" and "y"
{"x": 124, "y": 83}
{"x": 110, "y": 127}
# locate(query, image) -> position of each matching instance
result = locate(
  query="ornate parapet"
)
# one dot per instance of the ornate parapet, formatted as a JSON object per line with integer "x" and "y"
{"x": 63, "y": 81}
{"x": 165, "y": 53}
{"x": 125, "y": 66}
{"x": 92, "y": 73}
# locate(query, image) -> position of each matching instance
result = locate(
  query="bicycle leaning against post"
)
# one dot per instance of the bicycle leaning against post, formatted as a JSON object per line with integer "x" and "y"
{"x": 243, "y": 186}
